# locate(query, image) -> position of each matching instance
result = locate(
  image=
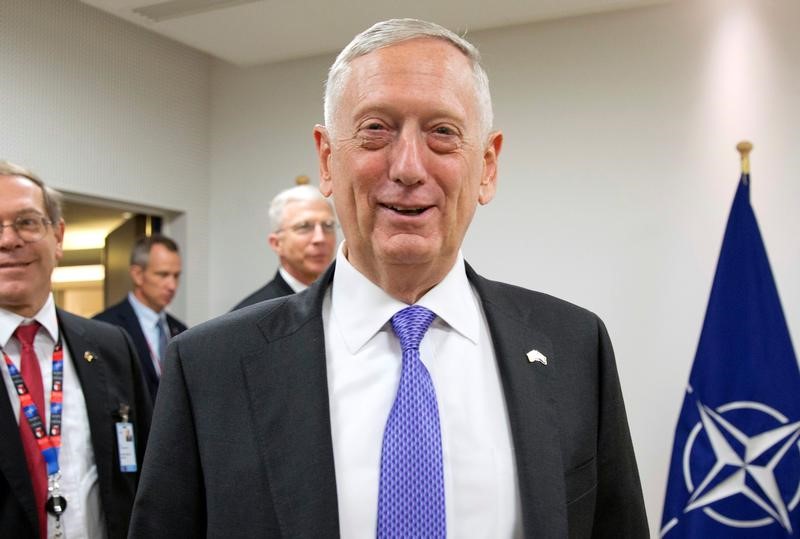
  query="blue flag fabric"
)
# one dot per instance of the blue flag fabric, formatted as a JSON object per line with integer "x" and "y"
{"x": 735, "y": 469}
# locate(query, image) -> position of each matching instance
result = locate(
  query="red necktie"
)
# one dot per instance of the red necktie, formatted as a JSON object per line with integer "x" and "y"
{"x": 32, "y": 374}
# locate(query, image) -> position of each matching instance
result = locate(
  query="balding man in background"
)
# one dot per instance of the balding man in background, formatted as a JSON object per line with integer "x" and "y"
{"x": 303, "y": 235}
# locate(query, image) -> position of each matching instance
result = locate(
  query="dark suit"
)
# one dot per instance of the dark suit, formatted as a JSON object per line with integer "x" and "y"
{"x": 276, "y": 288}
{"x": 110, "y": 380}
{"x": 123, "y": 315}
{"x": 249, "y": 416}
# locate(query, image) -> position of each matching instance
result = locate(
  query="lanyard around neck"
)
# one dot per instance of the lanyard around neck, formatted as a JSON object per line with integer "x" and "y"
{"x": 50, "y": 444}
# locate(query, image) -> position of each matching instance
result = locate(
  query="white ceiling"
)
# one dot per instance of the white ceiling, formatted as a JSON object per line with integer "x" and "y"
{"x": 252, "y": 32}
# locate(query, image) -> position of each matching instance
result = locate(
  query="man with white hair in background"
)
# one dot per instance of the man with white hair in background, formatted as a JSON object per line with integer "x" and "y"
{"x": 303, "y": 235}
{"x": 402, "y": 394}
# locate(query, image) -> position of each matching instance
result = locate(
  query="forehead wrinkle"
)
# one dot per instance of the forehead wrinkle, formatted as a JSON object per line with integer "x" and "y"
{"x": 445, "y": 73}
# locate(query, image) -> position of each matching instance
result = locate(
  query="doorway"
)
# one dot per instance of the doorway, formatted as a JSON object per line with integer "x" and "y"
{"x": 99, "y": 235}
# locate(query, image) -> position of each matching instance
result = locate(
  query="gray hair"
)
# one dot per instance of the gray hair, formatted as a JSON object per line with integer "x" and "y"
{"x": 391, "y": 32}
{"x": 140, "y": 254}
{"x": 298, "y": 193}
{"x": 51, "y": 197}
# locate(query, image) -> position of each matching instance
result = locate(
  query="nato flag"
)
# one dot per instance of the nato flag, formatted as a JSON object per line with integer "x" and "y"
{"x": 735, "y": 469}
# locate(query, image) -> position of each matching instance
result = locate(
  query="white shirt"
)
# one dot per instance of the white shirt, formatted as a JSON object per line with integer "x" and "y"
{"x": 293, "y": 283}
{"x": 364, "y": 361}
{"x": 79, "y": 482}
{"x": 149, "y": 320}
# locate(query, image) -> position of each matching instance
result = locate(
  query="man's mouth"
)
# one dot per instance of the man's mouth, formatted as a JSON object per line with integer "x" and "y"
{"x": 4, "y": 265}
{"x": 406, "y": 211}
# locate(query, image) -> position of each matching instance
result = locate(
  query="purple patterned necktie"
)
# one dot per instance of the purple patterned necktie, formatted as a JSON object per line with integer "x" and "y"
{"x": 411, "y": 495}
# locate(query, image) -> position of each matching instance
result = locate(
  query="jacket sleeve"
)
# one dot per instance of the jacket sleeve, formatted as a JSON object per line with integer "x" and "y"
{"x": 144, "y": 404}
{"x": 619, "y": 510}
{"x": 170, "y": 501}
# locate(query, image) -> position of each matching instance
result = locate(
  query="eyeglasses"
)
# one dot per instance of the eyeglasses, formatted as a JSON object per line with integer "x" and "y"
{"x": 29, "y": 228}
{"x": 304, "y": 228}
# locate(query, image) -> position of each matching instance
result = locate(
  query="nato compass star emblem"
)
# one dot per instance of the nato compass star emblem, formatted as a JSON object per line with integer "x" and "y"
{"x": 742, "y": 481}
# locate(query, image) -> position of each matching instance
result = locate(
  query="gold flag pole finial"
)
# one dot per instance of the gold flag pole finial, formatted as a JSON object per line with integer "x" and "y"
{"x": 302, "y": 180}
{"x": 745, "y": 148}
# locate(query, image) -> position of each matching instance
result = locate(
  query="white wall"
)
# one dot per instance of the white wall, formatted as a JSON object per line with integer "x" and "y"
{"x": 615, "y": 184}
{"x": 262, "y": 120}
{"x": 616, "y": 177}
{"x": 98, "y": 106}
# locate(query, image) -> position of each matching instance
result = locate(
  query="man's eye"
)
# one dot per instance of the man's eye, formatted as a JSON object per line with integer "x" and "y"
{"x": 374, "y": 136}
{"x": 28, "y": 222}
{"x": 444, "y": 130}
{"x": 303, "y": 227}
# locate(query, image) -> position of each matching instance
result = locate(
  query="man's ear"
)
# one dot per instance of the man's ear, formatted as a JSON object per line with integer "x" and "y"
{"x": 275, "y": 242}
{"x": 136, "y": 274}
{"x": 323, "y": 143}
{"x": 58, "y": 230}
{"x": 488, "y": 185}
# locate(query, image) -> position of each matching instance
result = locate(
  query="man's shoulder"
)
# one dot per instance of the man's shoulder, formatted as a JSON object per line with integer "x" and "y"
{"x": 93, "y": 329}
{"x": 276, "y": 288}
{"x": 524, "y": 304}
{"x": 240, "y": 329}
{"x": 176, "y": 326}
{"x": 111, "y": 314}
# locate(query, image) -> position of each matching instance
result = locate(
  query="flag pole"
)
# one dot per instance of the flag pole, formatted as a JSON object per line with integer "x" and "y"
{"x": 744, "y": 148}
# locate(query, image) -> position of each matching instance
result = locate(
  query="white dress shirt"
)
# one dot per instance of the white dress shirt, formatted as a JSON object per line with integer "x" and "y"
{"x": 79, "y": 482}
{"x": 149, "y": 321}
{"x": 364, "y": 361}
{"x": 293, "y": 283}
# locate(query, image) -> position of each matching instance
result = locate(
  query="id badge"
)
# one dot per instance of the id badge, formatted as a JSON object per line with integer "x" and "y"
{"x": 127, "y": 449}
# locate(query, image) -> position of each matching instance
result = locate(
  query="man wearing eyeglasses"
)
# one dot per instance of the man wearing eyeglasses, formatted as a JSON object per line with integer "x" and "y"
{"x": 304, "y": 238}
{"x": 75, "y": 412}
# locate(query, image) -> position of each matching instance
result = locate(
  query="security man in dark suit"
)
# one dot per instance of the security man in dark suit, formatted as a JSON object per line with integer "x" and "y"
{"x": 304, "y": 238}
{"x": 74, "y": 409}
{"x": 402, "y": 394}
{"x": 155, "y": 271}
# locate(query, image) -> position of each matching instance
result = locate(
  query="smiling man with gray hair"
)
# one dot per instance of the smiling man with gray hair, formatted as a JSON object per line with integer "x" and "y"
{"x": 402, "y": 394}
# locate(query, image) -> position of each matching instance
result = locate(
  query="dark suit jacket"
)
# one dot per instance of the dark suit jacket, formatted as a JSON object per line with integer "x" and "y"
{"x": 276, "y": 288}
{"x": 123, "y": 315}
{"x": 110, "y": 380}
{"x": 245, "y": 405}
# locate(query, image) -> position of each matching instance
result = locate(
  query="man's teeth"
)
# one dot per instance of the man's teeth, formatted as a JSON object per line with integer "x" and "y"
{"x": 407, "y": 211}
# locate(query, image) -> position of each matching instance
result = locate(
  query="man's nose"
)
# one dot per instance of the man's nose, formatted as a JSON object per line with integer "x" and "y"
{"x": 318, "y": 235}
{"x": 408, "y": 166}
{"x": 9, "y": 237}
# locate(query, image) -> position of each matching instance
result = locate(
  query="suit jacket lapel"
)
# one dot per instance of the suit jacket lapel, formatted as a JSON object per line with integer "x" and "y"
{"x": 293, "y": 427}
{"x": 12, "y": 460}
{"x": 528, "y": 389}
{"x": 90, "y": 366}
{"x": 131, "y": 324}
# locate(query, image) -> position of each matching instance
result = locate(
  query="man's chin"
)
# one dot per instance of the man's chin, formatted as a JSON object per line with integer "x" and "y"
{"x": 412, "y": 252}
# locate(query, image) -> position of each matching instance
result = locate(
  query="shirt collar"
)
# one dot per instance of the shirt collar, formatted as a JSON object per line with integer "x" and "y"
{"x": 293, "y": 283}
{"x": 362, "y": 308}
{"x": 46, "y": 317}
{"x": 147, "y": 316}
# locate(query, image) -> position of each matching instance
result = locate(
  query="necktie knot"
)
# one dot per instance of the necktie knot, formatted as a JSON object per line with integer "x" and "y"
{"x": 410, "y": 325}
{"x": 27, "y": 333}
